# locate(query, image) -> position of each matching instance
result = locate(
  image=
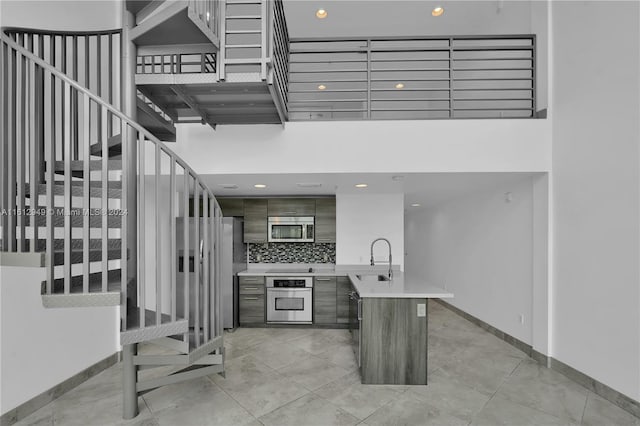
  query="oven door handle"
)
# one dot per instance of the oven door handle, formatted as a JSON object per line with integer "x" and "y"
{"x": 289, "y": 289}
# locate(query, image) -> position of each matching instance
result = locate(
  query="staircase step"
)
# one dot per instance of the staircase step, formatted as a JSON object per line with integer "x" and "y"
{"x": 114, "y": 219}
{"x": 77, "y": 166}
{"x": 76, "y": 244}
{"x": 95, "y": 283}
{"x": 114, "y": 147}
{"x": 132, "y": 333}
{"x": 77, "y": 256}
{"x": 114, "y": 189}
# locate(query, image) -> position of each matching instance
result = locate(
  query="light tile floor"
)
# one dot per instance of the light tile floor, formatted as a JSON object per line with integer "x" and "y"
{"x": 305, "y": 377}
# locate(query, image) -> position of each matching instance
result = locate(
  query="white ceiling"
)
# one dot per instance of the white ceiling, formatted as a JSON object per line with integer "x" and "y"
{"x": 407, "y": 18}
{"x": 427, "y": 189}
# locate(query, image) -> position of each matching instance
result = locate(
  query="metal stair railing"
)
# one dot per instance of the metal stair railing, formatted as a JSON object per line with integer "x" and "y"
{"x": 77, "y": 205}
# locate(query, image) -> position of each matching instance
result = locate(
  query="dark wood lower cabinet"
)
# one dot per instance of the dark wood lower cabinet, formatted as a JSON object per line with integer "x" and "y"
{"x": 324, "y": 300}
{"x": 393, "y": 341}
{"x": 343, "y": 289}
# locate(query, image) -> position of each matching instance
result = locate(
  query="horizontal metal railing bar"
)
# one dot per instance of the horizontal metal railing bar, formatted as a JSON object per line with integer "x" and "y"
{"x": 327, "y": 101}
{"x": 409, "y": 109}
{"x": 243, "y": 17}
{"x": 411, "y": 89}
{"x": 414, "y": 79}
{"x": 391, "y": 100}
{"x": 14, "y": 30}
{"x": 494, "y": 79}
{"x": 343, "y": 80}
{"x": 242, "y": 46}
{"x": 486, "y": 48}
{"x": 494, "y": 109}
{"x": 243, "y": 31}
{"x": 325, "y": 70}
{"x": 364, "y": 90}
{"x": 409, "y": 69}
{"x": 328, "y": 110}
{"x": 515, "y": 58}
{"x": 490, "y": 89}
{"x": 403, "y": 38}
{"x": 333, "y": 60}
{"x": 493, "y": 69}
{"x": 491, "y": 99}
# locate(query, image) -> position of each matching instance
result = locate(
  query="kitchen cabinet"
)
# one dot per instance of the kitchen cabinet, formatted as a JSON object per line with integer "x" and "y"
{"x": 324, "y": 300}
{"x": 255, "y": 220}
{"x": 391, "y": 340}
{"x": 292, "y": 207}
{"x": 231, "y": 206}
{"x": 343, "y": 289}
{"x": 251, "y": 300}
{"x": 354, "y": 322}
{"x": 325, "y": 220}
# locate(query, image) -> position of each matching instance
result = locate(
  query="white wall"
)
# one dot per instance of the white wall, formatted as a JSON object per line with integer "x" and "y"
{"x": 66, "y": 15}
{"x": 480, "y": 247}
{"x": 361, "y": 218}
{"x": 368, "y": 146}
{"x": 44, "y": 347}
{"x": 596, "y": 186}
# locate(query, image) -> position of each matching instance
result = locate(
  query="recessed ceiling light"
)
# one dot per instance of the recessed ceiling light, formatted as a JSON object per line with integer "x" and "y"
{"x": 321, "y": 14}
{"x": 361, "y": 185}
{"x": 437, "y": 11}
{"x": 322, "y": 87}
{"x": 415, "y": 205}
{"x": 260, "y": 185}
{"x": 397, "y": 178}
{"x": 309, "y": 185}
{"x": 228, "y": 185}
{"x": 400, "y": 86}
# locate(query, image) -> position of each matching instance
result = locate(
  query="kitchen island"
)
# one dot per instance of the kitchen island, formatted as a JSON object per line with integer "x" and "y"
{"x": 387, "y": 317}
{"x": 390, "y": 327}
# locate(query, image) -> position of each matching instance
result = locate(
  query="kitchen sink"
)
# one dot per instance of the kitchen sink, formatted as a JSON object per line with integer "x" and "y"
{"x": 378, "y": 277}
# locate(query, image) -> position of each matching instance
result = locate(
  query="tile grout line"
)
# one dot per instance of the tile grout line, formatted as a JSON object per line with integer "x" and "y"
{"x": 231, "y": 396}
{"x": 584, "y": 409}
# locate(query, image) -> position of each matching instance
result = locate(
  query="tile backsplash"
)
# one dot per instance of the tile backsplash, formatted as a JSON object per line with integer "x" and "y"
{"x": 292, "y": 253}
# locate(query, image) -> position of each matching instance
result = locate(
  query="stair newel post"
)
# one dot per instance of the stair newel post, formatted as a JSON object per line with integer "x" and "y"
{"x": 130, "y": 198}
{"x": 129, "y": 157}
{"x": 130, "y": 372}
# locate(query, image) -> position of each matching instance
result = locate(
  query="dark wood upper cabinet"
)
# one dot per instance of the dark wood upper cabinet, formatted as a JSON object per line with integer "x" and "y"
{"x": 292, "y": 206}
{"x": 325, "y": 220}
{"x": 255, "y": 220}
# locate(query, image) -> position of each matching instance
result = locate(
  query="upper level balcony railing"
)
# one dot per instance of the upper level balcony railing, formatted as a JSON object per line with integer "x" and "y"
{"x": 177, "y": 63}
{"x": 413, "y": 78}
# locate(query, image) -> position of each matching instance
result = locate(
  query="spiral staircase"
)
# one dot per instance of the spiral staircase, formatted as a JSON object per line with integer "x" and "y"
{"x": 99, "y": 197}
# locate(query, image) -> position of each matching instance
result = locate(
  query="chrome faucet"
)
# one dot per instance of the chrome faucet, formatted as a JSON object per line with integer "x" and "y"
{"x": 373, "y": 262}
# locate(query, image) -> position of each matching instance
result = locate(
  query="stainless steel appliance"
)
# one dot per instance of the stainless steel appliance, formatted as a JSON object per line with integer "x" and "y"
{"x": 285, "y": 229}
{"x": 233, "y": 260}
{"x": 289, "y": 299}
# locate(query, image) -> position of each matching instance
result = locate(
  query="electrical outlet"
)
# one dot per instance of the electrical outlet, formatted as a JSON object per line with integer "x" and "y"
{"x": 422, "y": 309}
{"x": 521, "y": 318}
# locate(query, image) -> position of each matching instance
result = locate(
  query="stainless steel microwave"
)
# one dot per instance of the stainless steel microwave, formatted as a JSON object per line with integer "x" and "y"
{"x": 291, "y": 229}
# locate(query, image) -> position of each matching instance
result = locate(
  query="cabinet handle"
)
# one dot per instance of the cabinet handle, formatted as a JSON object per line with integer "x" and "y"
{"x": 250, "y": 279}
{"x": 251, "y": 288}
{"x": 359, "y": 309}
{"x": 292, "y": 212}
{"x": 323, "y": 279}
{"x": 250, "y": 298}
{"x": 324, "y": 239}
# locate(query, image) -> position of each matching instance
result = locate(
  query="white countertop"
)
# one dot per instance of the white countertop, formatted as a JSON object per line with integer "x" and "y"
{"x": 400, "y": 285}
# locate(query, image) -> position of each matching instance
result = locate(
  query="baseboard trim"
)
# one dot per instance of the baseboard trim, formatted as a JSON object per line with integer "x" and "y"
{"x": 628, "y": 404}
{"x": 37, "y": 402}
